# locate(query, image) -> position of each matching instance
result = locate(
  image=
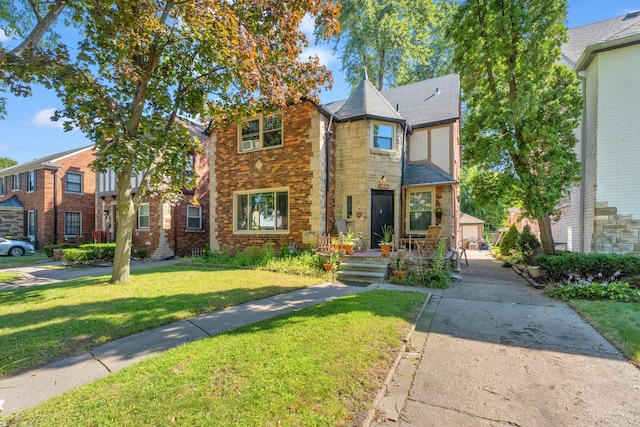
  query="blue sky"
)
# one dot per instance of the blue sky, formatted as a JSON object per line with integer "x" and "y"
{"x": 27, "y": 133}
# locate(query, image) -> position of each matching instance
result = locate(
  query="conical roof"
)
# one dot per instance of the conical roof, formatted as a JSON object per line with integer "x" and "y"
{"x": 367, "y": 102}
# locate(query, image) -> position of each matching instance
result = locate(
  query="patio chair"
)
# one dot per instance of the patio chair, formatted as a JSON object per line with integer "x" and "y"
{"x": 429, "y": 244}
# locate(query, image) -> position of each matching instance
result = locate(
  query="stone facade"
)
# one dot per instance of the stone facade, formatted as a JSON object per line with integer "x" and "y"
{"x": 11, "y": 221}
{"x": 615, "y": 233}
{"x": 298, "y": 166}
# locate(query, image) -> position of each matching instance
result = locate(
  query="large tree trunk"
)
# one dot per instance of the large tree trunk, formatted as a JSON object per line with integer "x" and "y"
{"x": 546, "y": 236}
{"x": 126, "y": 218}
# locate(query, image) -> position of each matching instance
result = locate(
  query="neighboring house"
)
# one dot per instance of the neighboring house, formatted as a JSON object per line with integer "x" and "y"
{"x": 470, "y": 229}
{"x": 54, "y": 195}
{"x": 164, "y": 229}
{"x": 377, "y": 158}
{"x": 602, "y": 214}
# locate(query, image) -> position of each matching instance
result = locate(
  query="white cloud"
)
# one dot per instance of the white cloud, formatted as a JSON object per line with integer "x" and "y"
{"x": 307, "y": 26}
{"x": 326, "y": 56}
{"x": 3, "y": 36}
{"x": 42, "y": 119}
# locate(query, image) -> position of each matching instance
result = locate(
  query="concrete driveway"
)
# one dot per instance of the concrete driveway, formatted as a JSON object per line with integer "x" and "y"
{"x": 500, "y": 353}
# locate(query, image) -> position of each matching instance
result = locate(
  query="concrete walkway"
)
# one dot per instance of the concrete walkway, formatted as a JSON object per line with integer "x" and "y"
{"x": 496, "y": 352}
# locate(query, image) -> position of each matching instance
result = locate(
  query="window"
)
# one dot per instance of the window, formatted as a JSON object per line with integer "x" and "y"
{"x": 15, "y": 182}
{"x": 72, "y": 223}
{"x": 31, "y": 180}
{"x": 420, "y": 211}
{"x": 31, "y": 225}
{"x": 194, "y": 217}
{"x": 143, "y": 215}
{"x": 262, "y": 211}
{"x": 260, "y": 132}
{"x": 383, "y": 136}
{"x": 3, "y": 186}
{"x": 349, "y": 206}
{"x": 74, "y": 182}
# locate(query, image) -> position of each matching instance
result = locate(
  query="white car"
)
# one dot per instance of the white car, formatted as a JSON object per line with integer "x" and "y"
{"x": 15, "y": 247}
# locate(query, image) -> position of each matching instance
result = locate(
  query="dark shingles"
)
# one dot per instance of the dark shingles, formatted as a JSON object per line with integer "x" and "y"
{"x": 424, "y": 173}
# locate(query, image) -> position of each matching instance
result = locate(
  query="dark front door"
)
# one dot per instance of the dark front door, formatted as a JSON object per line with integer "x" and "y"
{"x": 381, "y": 214}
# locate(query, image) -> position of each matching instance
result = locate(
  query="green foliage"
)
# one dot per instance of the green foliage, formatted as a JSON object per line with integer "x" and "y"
{"x": 477, "y": 198}
{"x": 586, "y": 289}
{"x": 90, "y": 253}
{"x": 398, "y": 41}
{"x": 527, "y": 244}
{"x": 48, "y": 250}
{"x": 141, "y": 253}
{"x": 6, "y": 162}
{"x": 522, "y": 105}
{"x": 509, "y": 240}
{"x": 568, "y": 265}
{"x": 303, "y": 263}
{"x": 387, "y": 235}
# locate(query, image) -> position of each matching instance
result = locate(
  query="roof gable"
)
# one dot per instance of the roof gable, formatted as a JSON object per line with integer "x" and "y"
{"x": 43, "y": 162}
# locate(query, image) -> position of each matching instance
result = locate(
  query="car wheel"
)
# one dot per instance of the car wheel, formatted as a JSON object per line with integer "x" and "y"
{"x": 16, "y": 251}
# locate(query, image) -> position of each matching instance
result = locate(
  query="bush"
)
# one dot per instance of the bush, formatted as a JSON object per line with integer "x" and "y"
{"x": 80, "y": 255}
{"x": 528, "y": 245}
{"x": 509, "y": 241}
{"x": 586, "y": 289}
{"x": 569, "y": 265}
{"x": 141, "y": 253}
{"x": 48, "y": 250}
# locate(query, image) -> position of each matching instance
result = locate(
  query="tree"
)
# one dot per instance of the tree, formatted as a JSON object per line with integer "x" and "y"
{"x": 477, "y": 198}
{"x": 398, "y": 41}
{"x": 6, "y": 162}
{"x": 522, "y": 106}
{"x": 139, "y": 64}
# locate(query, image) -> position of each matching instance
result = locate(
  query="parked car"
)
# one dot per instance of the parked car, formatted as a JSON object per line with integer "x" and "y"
{"x": 15, "y": 247}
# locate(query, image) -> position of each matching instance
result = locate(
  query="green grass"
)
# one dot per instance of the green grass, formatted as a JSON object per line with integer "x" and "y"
{"x": 619, "y": 322}
{"x": 321, "y": 366}
{"x": 22, "y": 261}
{"x": 40, "y": 324}
{"x": 8, "y": 276}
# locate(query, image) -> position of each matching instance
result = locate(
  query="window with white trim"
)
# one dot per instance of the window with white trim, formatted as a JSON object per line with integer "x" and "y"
{"x": 262, "y": 211}
{"x": 31, "y": 181}
{"x": 194, "y": 217}
{"x": 420, "y": 213}
{"x": 3, "y": 186}
{"x": 143, "y": 215}
{"x": 15, "y": 182}
{"x": 73, "y": 182}
{"x": 260, "y": 132}
{"x": 72, "y": 224}
{"x": 383, "y": 136}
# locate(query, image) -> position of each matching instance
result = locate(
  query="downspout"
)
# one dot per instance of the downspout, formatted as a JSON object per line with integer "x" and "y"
{"x": 327, "y": 189}
{"x": 583, "y": 154}
{"x": 55, "y": 206}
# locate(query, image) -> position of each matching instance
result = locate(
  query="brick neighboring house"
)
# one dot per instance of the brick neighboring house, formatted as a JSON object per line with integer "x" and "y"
{"x": 377, "y": 158}
{"x": 602, "y": 214}
{"x": 164, "y": 229}
{"x": 54, "y": 196}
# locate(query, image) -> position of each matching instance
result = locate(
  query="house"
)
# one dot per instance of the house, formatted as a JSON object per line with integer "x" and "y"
{"x": 50, "y": 199}
{"x": 164, "y": 229}
{"x": 470, "y": 229}
{"x": 377, "y": 158}
{"x": 602, "y": 213}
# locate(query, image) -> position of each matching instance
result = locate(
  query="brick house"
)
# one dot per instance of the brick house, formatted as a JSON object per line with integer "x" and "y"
{"x": 287, "y": 177}
{"x": 164, "y": 229}
{"x": 54, "y": 196}
{"x": 602, "y": 213}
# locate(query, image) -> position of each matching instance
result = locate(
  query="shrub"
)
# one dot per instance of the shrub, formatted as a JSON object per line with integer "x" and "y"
{"x": 142, "y": 253}
{"x": 568, "y": 265}
{"x": 80, "y": 255}
{"x": 48, "y": 250}
{"x": 588, "y": 289}
{"x": 509, "y": 240}
{"x": 106, "y": 251}
{"x": 528, "y": 245}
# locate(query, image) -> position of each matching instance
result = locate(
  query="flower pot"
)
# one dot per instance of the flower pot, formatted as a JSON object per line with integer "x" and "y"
{"x": 534, "y": 271}
{"x": 328, "y": 266}
{"x": 348, "y": 249}
{"x": 386, "y": 250}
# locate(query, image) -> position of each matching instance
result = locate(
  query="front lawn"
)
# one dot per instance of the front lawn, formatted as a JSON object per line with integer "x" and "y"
{"x": 619, "y": 322}
{"x": 22, "y": 261}
{"x": 7, "y": 276}
{"x": 321, "y": 366}
{"x": 40, "y": 324}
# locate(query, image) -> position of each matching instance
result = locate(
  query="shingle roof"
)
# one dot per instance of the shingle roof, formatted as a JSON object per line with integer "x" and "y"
{"x": 424, "y": 174}
{"x": 468, "y": 219}
{"x": 417, "y": 103}
{"x": 610, "y": 31}
{"x": 47, "y": 161}
{"x": 367, "y": 101}
{"x": 12, "y": 202}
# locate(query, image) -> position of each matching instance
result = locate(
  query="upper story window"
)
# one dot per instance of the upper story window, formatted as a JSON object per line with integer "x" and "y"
{"x": 260, "y": 132}
{"x": 15, "y": 182}
{"x": 31, "y": 180}
{"x": 383, "y": 136}
{"x": 143, "y": 215}
{"x": 73, "y": 182}
{"x": 3, "y": 186}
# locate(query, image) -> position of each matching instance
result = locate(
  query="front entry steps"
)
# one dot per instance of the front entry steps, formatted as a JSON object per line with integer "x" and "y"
{"x": 363, "y": 270}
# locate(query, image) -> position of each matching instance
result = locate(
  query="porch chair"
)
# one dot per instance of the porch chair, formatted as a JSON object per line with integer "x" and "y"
{"x": 429, "y": 244}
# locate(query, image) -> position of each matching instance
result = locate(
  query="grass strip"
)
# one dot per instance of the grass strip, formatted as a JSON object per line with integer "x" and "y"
{"x": 42, "y": 323}
{"x": 22, "y": 261}
{"x": 320, "y": 366}
{"x": 8, "y": 276}
{"x": 619, "y": 322}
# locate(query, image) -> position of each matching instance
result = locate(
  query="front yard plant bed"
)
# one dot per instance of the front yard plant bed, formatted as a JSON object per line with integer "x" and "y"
{"x": 320, "y": 366}
{"x": 40, "y": 324}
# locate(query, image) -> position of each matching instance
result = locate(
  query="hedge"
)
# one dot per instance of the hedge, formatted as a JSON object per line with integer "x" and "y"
{"x": 91, "y": 252}
{"x": 560, "y": 267}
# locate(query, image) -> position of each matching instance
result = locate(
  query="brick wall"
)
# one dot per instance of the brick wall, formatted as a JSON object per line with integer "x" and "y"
{"x": 287, "y": 166}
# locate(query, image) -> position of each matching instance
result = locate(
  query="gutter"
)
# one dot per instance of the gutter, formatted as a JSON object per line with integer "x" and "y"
{"x": 583, "y": 154}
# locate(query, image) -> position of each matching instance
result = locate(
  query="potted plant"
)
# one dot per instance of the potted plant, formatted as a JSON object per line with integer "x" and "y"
{"x": 387, "y": 240}
{"x": 438, "y": 210}
{"x": 349, "y": 241}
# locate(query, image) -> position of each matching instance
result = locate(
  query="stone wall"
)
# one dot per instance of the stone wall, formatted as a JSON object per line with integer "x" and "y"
{"x": 615, "y": 233}
{"x": 11, "y": 221}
